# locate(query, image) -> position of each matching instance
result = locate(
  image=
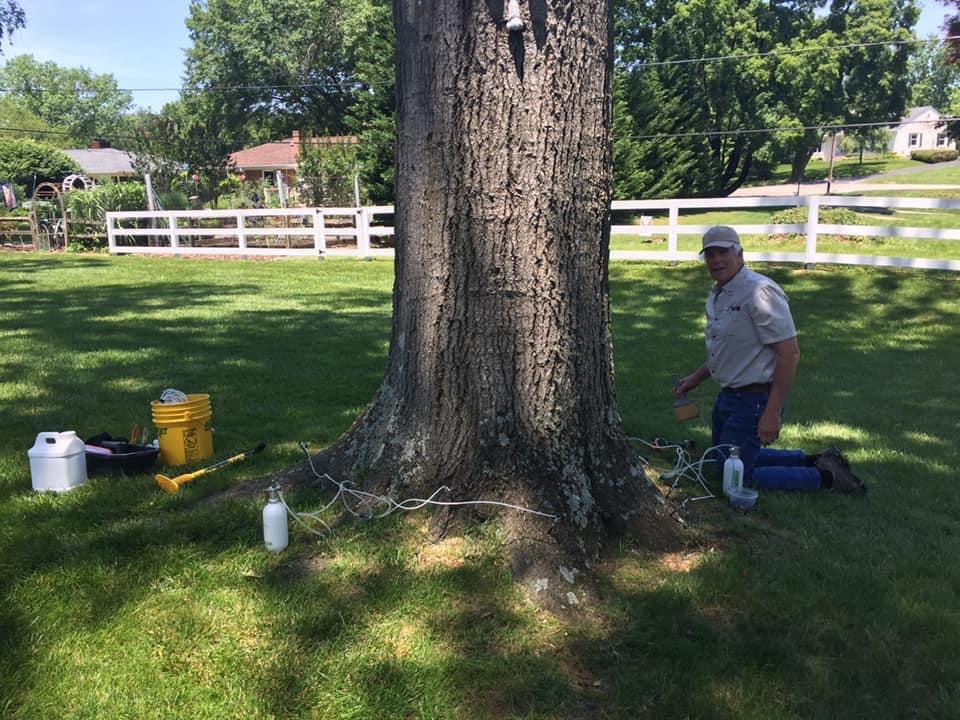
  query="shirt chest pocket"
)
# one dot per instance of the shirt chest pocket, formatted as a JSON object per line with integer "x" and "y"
{"x": 732, "y": 323}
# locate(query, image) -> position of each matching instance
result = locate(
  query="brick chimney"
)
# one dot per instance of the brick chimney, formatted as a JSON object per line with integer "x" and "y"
{"x": 296, "y": 139}
{"x": 99, "y": 144}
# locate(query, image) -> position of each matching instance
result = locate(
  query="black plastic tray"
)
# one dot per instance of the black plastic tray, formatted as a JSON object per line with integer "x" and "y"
{"x": 126, "y": 458}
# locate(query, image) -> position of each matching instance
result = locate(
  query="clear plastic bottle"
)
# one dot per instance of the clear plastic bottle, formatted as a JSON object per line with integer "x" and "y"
{"x": 275, "y": 532}
{"x": 732, "y": 472}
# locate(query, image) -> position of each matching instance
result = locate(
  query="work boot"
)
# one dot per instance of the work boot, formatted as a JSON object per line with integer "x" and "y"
{"x": 834, "y": 452}
{"x": 836, "y": 466}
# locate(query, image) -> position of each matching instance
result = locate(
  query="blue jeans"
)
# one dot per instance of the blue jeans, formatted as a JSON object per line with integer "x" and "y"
{"x": 735, "y": 419}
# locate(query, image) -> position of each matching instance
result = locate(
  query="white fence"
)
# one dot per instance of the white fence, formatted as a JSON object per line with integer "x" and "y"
{"x": 350, "y": 231}
{"x": 810, "y": 229}
{"x": 296, "y": 231}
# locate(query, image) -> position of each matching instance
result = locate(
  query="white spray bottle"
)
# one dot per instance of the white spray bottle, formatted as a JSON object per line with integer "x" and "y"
{"x": 733, "y": 472}
{"x": 275, "y": 533}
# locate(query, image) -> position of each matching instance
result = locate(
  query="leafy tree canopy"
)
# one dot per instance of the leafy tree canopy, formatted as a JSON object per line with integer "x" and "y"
{"x": 323, "y": 67}
{"x": 11, "y": 18}
{"x": 931, "y": 78}
{"x": 782, "y": 66}
{"x": 276, "y": 64}
{"x": 17, "y": 122}
{"x": 28, "y": 163}
{"x": 83, "y": 104}
{"x": 187, "y": 137}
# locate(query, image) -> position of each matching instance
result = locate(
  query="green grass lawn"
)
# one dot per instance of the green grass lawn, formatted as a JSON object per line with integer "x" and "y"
{"x": 933, "y": 174}
{"x": 843, "y": 169}
{"x": 119, "y": 601}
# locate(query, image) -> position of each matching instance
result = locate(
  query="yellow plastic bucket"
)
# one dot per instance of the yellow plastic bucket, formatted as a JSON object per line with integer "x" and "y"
{"x": 184, "y": 429}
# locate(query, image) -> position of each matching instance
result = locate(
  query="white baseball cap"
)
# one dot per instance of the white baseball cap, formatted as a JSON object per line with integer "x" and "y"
{"x": 721, "y": 236}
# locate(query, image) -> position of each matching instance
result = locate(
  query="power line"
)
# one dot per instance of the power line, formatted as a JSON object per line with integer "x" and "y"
{"x": 792, "y": 51}
{"x": 351, "y": 85}
{"x": 827, "y": 127}
{"x": 342, "y": 86}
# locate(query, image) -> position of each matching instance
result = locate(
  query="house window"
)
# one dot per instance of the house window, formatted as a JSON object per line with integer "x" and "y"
{"x": 941, "y": 139}
{"x": 914, "y": 140}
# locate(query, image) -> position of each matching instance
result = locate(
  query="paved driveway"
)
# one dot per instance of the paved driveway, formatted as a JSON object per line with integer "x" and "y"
{"x": 850, "y": 187}
{"x": 838, "y": 187}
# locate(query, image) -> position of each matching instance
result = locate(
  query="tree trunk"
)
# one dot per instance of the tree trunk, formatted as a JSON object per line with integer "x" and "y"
{"x": 499, "y": 380}
{"x": 803, "y": 150}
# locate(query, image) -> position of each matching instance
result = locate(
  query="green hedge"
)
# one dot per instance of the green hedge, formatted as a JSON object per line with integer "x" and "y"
{"x": 832, "y": 216}
{"x": 934, "y": 156}
{"x": 28, "y": 162}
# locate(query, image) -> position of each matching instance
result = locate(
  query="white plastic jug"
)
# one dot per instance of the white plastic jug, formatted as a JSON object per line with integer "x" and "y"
{"x": 58, "y": 462}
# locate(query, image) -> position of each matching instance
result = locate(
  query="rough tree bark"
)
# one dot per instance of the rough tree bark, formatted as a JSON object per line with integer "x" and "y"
{"x": 499, "y": 380}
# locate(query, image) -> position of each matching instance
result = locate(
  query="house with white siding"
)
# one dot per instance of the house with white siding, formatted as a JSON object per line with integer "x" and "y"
{"x": 920, "y": 130}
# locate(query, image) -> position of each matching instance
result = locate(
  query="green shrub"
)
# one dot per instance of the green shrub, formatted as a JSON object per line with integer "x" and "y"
{"x": 831, "y": 216}
{"x": 90, "y": 208}
{"x": 174, "y": 200}
{"x": 28, "y": 163}
{"x": 110, "y": 196}
{"x": 834, "y": 216}
{"x": 934, "y": 156}
{"x": 325, "y": 174}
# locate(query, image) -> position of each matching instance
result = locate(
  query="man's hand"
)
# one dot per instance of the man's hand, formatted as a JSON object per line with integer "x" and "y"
{"x": 691, "y": 381}
{"x": 768, "y": 428}
{"x": 685, "y": 385}
{"x": 788, "y": 356}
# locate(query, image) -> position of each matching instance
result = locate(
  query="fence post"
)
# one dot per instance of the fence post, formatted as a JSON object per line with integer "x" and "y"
{"x": 319, "y": 232}
{"x": 813, "y": 220}
{"x": 241, "y": 231}
{"x": 674, "y": 220}
{"x": 174, "y": 238}
{"x": 363, "y": 234}
{"x": 111, "y": 235}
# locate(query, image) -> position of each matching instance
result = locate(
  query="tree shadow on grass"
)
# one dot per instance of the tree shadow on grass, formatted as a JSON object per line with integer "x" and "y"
{"x": 127, "y": 342}
{"x": 400, "y": 638}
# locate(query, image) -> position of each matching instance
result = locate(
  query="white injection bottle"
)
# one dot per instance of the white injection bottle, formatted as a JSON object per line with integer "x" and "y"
{"x": 732, "y": 472}
{"x": 275, "y": 533}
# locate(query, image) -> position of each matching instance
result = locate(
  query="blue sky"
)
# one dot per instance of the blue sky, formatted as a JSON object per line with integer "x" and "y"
{"x": 142, "y": 42}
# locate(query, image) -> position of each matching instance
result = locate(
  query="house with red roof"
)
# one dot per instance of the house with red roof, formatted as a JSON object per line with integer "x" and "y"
{"x": 280, "y": 156}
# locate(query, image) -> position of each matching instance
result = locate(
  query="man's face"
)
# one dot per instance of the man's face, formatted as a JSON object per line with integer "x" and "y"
{"x": 722, "y": 263}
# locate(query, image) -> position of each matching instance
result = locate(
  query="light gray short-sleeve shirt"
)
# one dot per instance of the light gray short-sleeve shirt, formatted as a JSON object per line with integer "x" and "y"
{"x": 744, "y": 317}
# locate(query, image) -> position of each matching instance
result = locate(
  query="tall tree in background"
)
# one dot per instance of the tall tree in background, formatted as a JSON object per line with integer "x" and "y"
{"x": 186, "y": 135}
{"x": 807, "y": 96}
{"x": 952, "y": 27}
{"x": 499, "y": 381}
{"x": 684, "y": 109}
{"x": 16, "y": 121}
{"x": 874, "y": 75}
{"x": 369, "y": 46}
{"x": 323, "y": 67}
{"x": 81, "y": 104}
{"x": 723, "y": 70}
{"x": 932, "y": 79}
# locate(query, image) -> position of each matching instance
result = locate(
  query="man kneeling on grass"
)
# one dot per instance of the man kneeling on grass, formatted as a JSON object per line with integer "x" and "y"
{"x": 752, "y": 353}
